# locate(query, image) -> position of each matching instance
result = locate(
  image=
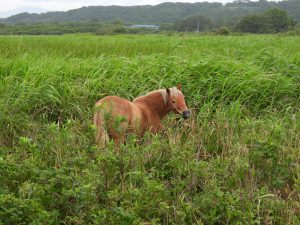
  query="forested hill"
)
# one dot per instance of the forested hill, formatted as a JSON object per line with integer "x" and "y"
{"x": 162, "y": 13}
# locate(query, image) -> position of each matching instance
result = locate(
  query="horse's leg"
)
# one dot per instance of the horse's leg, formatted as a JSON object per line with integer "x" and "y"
{"x": 118, "y": 134}
{"x": 101, "y": 136}
{"x": 156, "y": 128}
{"x": 119, "y": 139}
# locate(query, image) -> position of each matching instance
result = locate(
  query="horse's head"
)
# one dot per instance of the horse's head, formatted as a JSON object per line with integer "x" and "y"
{"x": 175, "y": 100}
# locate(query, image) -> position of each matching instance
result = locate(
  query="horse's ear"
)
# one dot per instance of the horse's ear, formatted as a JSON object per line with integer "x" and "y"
{"x": 179, "y": 87}
{"x": 168, "y": 91}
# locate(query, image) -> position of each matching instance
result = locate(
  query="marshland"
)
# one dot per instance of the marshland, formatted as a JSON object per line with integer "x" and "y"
{"x": 235, "y": 161}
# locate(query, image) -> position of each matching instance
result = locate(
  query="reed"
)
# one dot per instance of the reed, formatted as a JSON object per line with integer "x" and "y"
{"x": 235, "y": 161}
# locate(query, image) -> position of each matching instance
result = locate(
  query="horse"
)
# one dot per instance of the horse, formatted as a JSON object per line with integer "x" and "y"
{"x": 115, "y": 117}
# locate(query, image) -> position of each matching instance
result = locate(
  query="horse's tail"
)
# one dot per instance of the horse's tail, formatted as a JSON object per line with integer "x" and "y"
{"x": 101, "y": 137}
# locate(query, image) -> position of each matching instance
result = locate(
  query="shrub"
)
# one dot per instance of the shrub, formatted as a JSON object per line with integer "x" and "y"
{"x": 222, "y": 31}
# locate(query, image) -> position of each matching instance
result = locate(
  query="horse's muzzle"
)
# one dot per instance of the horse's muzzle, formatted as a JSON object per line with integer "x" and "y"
{"x": 186, "y": 114}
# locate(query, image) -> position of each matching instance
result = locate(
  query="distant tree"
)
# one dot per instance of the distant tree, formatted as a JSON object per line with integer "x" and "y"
{"x": 118, "y": 22}
{"x": 292, "y": 22}
{"x": 276, "y": 20}
{"x": 167, "y": 26}
{"x": 119, "y": 30}
{"x": 104, "y": 19}
{"x": 5, "y": 29}
{"x": 241, "y": 2}
{"x": 263, "y": 2}
{"x": 251, "y": 24}
{"x": 222, "y": 31}
{"x": 193, "y": 23}
{"x": 272, "y": 21}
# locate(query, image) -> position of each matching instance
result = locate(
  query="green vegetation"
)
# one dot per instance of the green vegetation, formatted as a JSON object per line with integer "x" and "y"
{"x": 193, "y": 23}
{"x": 222, "y": 31}
{"x": 170, "y": 16}
{"x": 272, "y": 21}
{"x": 236, "y": 161}
{"x": 64, "y": 28}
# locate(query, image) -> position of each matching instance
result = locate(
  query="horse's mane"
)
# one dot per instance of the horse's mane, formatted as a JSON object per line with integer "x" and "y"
{"x": 173, "y": 91}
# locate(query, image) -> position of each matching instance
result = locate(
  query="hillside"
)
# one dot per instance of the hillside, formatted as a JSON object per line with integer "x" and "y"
{"x": 162, "y": 13}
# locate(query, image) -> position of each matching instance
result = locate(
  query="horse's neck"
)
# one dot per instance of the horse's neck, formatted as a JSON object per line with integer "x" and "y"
{"x": 155, "y": 103}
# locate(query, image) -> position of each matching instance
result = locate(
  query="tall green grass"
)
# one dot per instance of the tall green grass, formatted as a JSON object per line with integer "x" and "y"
{"x": 236, "y": 161}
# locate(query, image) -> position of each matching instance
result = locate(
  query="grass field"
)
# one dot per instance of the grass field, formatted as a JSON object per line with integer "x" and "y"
{"x": 236, "y": 161}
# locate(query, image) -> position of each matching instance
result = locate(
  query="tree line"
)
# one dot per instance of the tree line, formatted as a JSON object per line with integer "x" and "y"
{"x": 272, "y": 20}
{"x": 220, "y": 14}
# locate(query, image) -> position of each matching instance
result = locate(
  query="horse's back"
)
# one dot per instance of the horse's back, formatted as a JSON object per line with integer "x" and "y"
{"x": 115, "y": 106}
{"x": 112, "y": 100}
{"x": 119, "y": 107}
{"x": 121, "y": 116}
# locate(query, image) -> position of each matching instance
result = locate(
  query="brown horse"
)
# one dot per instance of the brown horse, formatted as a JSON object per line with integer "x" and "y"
{"x": 115, "y": 116}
